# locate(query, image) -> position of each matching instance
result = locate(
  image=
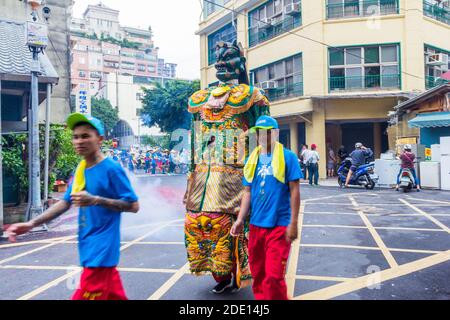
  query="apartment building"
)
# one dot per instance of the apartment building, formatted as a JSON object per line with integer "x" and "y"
{"x": 103, "y": 51}
{"x": 333, "y": 69}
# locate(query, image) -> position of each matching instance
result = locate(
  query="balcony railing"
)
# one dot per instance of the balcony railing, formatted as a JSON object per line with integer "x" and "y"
{"x": 431, "y": 82}
{"x": 286, "y": 92}
{"x": 362, "y": 8}
{"x": 263, "y": 34}
{"x": 358, "y": 83}
{"x": 436, "y": 12}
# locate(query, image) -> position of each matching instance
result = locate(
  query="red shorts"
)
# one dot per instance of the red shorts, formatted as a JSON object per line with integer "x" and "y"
{"x": 100, "y": 284}
{"x": 268, "y": 254}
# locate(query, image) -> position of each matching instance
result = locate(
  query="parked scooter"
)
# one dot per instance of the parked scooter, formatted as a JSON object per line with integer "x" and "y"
{"x": 407, "y": 182}
{"x": 364, "y": 175}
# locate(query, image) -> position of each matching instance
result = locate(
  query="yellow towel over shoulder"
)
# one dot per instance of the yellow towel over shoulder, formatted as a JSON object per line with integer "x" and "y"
{"x": 79, "y": 180}
{"x": 278, "y": 163}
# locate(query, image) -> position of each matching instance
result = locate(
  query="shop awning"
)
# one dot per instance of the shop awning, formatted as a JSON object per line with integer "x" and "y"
{"x": 430, "y": 120}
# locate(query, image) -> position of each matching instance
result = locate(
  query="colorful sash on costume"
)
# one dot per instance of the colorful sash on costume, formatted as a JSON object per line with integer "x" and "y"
{"x": 278, "y": 163}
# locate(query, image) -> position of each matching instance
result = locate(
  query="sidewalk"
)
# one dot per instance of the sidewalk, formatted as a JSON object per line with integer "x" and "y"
{"x": 330, "y": 182}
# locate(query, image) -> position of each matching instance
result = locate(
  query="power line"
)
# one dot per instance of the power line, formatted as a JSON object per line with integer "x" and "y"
{"x": 314, "y": 40}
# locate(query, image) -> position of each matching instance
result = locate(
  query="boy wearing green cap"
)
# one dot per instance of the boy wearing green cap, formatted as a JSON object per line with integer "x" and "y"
{"x": 102, "y": 191}
{"x": 272, "y": 194}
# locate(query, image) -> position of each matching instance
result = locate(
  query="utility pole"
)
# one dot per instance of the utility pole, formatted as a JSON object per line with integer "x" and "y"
{"x": 37, "y": 40}
{"x": 35, "y": 183}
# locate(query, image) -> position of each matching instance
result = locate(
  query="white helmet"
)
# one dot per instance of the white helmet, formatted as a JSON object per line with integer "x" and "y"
{"x": 407, "y": 147}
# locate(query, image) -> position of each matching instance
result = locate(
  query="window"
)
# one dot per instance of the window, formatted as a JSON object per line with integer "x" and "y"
{"x": 227, "y": 34}
{"x": 281, "y": 79}
{"x": 438, "y": 10}
{"x": 139, "y": 96}
{"x": 357, "y": 68}
{"x": 210, "y": 6}
{"x": 141, "y": 67}
{"x": 338, "y": 9}
{"x": 435, "y": 66}
{"x": 151, "y": 69}
{"x": 272, "y": 19}
{"x": 82, "y": 74}
{"x": 96, "y": 75}
{"x": 127, "y": 65}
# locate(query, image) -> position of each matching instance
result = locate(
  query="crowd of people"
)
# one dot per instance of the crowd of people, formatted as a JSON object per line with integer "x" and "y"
{"x": 151, "y": 160}
{"x": 309, "y": 161}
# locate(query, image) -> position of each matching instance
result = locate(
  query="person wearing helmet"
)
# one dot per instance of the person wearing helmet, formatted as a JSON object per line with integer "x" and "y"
{"x": 359, "y": 156}
{"x": 407, "y": 158}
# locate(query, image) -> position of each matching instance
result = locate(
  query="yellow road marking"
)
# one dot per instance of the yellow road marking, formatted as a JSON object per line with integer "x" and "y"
{"x": 73, "y": 273}
{"x": 375, "y": 278}
{"x": 21, "y": 244}
{"x": 426, "y": 200}
{"x": 142, "y": 242}
{"x": 390, "y": 259}
{"x": 414, "y": 250}
{"x": 332, "y": 226}
{"x": 332, "y": 197}
{"x": 294, "y": 255}
{"x": 434, "y": 220}
{"x": 409, "y": 229}
{"x": 169, "y": 283}
{"x": 49, "y": 285}
{"x": 365, "y": 227}
{"x": 320, "y": 278}
{"x": 338, "y": 246}
{"x": 331, "y": 213}
{"x": 35, "y": 250}
{"x": 40, "y": 267}
{"x": 122, "y": 269}
{"x": 129, "y": 244}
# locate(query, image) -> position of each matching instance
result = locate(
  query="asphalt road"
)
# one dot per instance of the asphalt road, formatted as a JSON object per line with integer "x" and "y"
{"x": 355, "y": 244}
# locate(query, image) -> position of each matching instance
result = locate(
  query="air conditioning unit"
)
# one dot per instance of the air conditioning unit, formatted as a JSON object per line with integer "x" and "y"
{"x": 268, "y": 85}
{"x": 292, "y": 9}
{"x": 265, "y": 23}
{"x": 437, "y": 59}
{"x": 276, "y": 19}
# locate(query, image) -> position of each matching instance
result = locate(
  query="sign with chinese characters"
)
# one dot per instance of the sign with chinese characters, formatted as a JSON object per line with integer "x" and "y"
{"x": 83, "y": 102}
{"x": 37, "y": 34}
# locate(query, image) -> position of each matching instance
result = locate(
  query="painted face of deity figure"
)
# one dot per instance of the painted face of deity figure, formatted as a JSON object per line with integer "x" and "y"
{"x": 230, "y": 63}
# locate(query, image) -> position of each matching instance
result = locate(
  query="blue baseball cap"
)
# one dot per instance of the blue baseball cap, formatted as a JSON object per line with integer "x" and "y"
{"x": 265, "y": 123}
{"x": 76, "y": 118}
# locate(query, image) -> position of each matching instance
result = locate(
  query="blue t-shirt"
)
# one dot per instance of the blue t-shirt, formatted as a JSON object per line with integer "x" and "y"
{"x": 271, "y": 199}
{"x": 99, "y": 227}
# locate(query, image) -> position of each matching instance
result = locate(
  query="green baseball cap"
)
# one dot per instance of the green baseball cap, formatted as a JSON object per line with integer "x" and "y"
{"x": 76, "y": 118}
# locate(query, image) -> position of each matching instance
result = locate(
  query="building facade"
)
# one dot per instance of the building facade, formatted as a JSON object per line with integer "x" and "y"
{"x": 333, "y": 69}
{"x": 125, "y": 93}
{"x": 58, "y": 50}
{"x": 100, "y": 46}
{"x": 114, "y": 62}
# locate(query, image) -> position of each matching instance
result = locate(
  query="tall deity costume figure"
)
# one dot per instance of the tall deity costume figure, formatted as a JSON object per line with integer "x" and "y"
{"x": 222, "y": 116}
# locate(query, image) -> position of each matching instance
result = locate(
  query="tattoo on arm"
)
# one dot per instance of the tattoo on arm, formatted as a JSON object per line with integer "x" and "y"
{"x": 115, "y": 205}
{"x": 53, "y": 212}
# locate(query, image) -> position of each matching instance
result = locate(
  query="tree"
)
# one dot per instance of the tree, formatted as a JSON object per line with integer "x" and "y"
{"x": 166, "y": 106}
{"x": 104, "y": 111}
